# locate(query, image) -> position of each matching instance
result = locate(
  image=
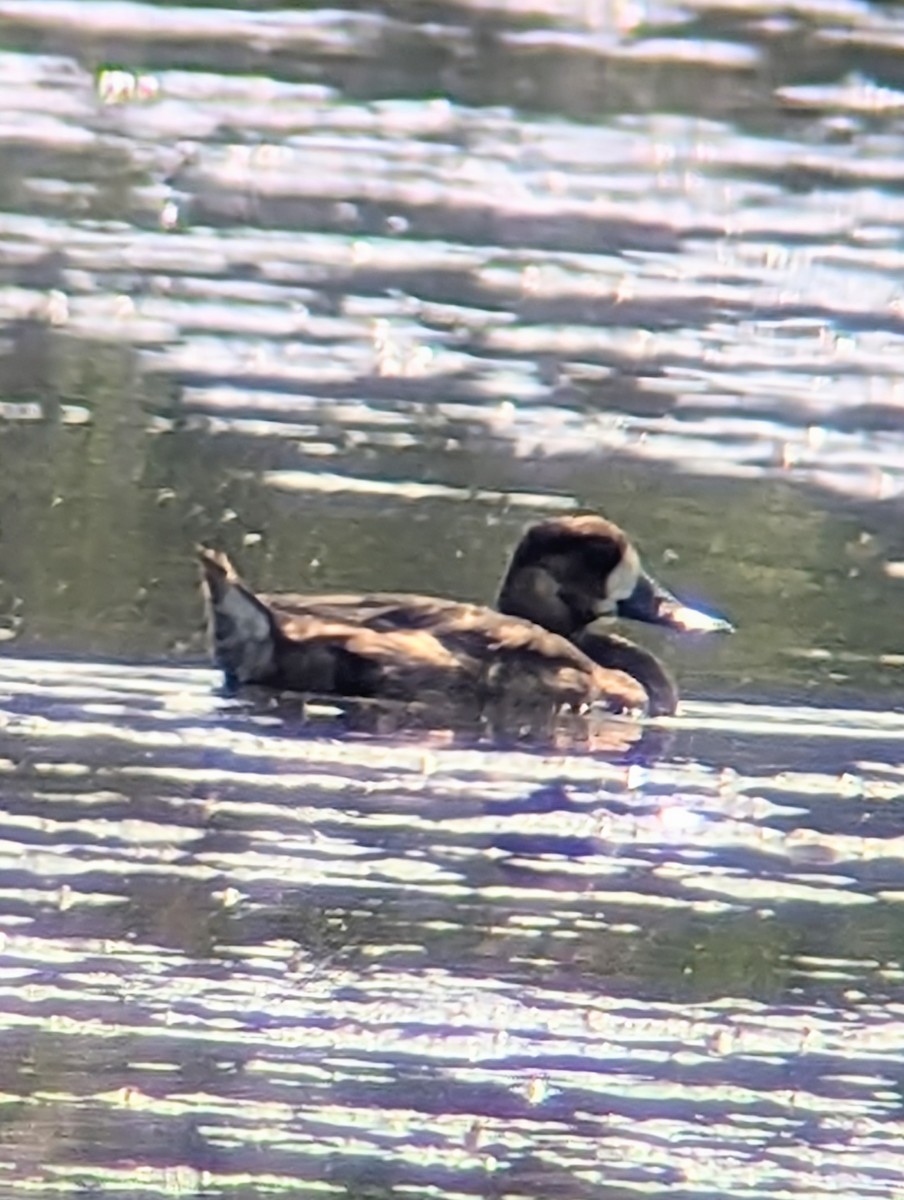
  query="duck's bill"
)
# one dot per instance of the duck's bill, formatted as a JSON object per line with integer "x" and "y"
{"x": 653, "y": 603}
{"x": 692, "y": 620}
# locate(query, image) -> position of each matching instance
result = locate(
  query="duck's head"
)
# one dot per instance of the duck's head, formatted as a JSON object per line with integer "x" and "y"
{"x": 570, "y": 571}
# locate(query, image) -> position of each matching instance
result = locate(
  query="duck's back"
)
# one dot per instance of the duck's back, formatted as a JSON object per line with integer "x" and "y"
{"x": 373, "y": 610}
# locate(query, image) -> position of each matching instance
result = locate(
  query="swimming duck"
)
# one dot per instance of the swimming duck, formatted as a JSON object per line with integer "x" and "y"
{"x": 536, "y": 652}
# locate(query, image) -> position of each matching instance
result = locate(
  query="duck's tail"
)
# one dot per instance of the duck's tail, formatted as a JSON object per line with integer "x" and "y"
{"x": 242, "y": 632}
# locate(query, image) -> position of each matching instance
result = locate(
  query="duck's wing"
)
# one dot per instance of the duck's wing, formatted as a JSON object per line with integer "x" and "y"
{"x": 319, "y": 651}
{"x": 420, "y": 649}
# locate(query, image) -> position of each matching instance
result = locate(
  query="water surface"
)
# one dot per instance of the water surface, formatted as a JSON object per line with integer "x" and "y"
{"x": 355, "y": 294}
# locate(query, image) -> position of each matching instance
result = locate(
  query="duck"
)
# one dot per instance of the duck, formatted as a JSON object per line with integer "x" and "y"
{"x": 540, "y": 650}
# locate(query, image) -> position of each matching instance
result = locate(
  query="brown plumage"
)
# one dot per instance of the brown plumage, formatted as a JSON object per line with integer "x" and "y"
{"x": 533, "y": 656}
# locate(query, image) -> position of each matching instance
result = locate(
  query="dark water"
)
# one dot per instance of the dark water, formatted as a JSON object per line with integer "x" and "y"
{"x": 355, "y": 294}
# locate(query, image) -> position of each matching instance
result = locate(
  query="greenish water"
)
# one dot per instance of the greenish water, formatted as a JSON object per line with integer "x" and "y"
{"x": 356, "y": 294}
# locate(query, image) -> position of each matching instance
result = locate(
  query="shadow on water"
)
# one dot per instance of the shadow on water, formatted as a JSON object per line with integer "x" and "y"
{"x": 355, "y": 294}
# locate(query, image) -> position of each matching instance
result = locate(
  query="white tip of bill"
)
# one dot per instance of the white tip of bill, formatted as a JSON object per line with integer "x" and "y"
{"x": 693, "y": 621}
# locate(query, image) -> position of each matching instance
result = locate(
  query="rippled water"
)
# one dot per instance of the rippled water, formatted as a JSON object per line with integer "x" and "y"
{"x": 234, "y": 951}
{"x": 355, "y": 294}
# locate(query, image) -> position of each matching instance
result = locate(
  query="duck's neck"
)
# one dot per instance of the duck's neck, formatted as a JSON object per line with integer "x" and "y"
{"x": 532, "y": 593}
{"x": 610, "y": 650}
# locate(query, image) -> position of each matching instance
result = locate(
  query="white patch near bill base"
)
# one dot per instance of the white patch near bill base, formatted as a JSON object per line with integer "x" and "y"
{"x": 620, "y": 585}
{"x": 623, "y": 578}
